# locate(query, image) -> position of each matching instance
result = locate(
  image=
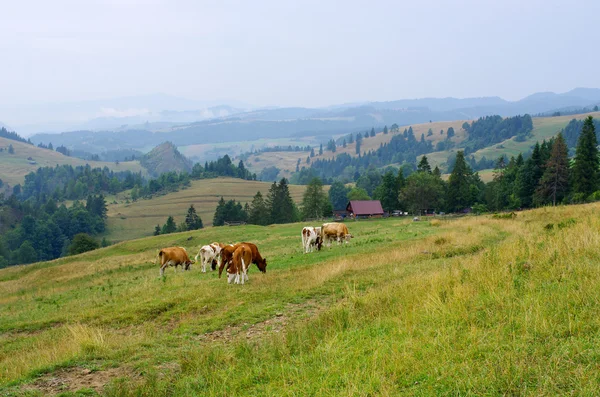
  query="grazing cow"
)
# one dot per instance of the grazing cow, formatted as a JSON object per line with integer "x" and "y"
{"x": 237, "y": 271}
{"x": 311, "y": 237}
{"x": 209, "y": 254}
{"x": 335, "y": 231}
{"x": 227, "y": 256}
{"x": 173, "y": 256}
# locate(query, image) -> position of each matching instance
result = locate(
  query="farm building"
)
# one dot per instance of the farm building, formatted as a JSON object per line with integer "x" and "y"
{"x": 365, "y": 208}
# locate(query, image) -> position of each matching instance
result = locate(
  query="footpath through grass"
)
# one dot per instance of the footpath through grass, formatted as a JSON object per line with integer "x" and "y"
{"x": 471, "y": 306}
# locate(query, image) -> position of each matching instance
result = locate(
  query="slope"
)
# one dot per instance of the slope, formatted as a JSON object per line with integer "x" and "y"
{"x": 132, "y": 220}
{"x": 477, "y": 304}
{"x": 165, "y": 158}
{"x": 14, "y": 167}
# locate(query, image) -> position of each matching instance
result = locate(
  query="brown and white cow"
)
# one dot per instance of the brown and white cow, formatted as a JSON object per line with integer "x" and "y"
{"x": 209, "y": 254}
{"x": 173, "y": 256}
{"x": 237, "y": 271}
{"x": 311, "y": 237}
{"x": 227, "y": 252}
{"x": 335, "y": 231}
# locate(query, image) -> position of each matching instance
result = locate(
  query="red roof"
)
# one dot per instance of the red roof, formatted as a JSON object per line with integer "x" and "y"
{"x": 365, "y": 207}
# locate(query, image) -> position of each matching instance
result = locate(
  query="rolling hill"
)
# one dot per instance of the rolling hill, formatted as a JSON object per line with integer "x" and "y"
{"x": 544, "y": 128}
{"x": 482, "y": 305}
{"x": 132, "y": 220}
{"x": 14, "y": 167}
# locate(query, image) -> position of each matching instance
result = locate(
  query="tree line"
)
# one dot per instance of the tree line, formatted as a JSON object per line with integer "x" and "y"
{"x": 47, "y": 231}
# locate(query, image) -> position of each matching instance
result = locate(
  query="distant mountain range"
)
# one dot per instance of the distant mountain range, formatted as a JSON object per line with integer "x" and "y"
{"x": 141, "y": 122}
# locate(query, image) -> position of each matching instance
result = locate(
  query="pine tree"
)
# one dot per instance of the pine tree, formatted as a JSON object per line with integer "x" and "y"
{"x": 259, "y": 212}
{"x": 169, "y": 227}
{"x": 314, "y": 200}
{"x": 528, "y": 178}
{"x": 358, "y": 142}
{"x": 373, "y": 131}
{"x": 157, "y": 230}
{"x": 11, "y": 149}
{"x": 388, "y": 192}
{"x": 320, "y": 149}
{"x": 585, "y": 170}
{"x": 312, "y": 152}
{"x": 554, "y": 184}
{"x": 219, "y": 217}
{"x": 459, "y": 194}
{"x": 192, "y": 220}
{"x": 385, "y": 130}
{"x": 424, "y": 165}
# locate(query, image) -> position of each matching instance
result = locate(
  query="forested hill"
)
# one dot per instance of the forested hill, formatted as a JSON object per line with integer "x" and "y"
{"x": 165, "y": 158}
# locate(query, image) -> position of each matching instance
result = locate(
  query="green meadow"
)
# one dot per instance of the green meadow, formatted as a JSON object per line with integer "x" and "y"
{"x": 470, "y": 306}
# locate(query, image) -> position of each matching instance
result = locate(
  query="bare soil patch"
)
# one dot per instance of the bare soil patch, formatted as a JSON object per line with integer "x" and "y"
{"x": 76, "y": 378}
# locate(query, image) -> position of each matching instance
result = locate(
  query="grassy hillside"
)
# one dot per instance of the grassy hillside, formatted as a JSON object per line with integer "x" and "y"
{"x": 286, "y": 161}
{"x": 14, "y": 167}
{"x": 138, "y": 219}
{"x": 543, "y": 128}
{"x": 475, "y": 306}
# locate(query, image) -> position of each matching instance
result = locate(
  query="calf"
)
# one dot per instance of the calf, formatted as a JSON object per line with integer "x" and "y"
{"x": 209, "y": 254}
{"x": 311, "y": 237}
{"x": 173, "y": 256}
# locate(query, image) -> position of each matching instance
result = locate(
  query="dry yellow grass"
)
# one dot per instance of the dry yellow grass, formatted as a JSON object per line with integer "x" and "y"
{"x": 14, "y": 167}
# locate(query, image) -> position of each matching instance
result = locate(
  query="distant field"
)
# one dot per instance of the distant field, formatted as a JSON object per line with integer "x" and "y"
{"x": 543, "y": 128}
{"x": 286, "y": 161}
{"x": 135, "y": 220}
{"x": 14, "y": 167}
{"x": 475, "y": 306}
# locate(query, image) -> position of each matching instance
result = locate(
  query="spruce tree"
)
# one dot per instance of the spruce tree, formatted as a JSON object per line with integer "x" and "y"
{"x": 259, "y": 212}
{"x": 585, "y": 170}
{"x": 554, "y": 184}
{"x": 169, "y": 227}
{"x": 424, "y": 165}
{"x": 314, "y": 200}
{"x": 321, "y": 149}
{"x": 219, "y": 217}
{"x": 157, "y": 230}
{"x": 388, "y": 192}
{"x": 459, "y": 194}
{"x": 192, "y": 220}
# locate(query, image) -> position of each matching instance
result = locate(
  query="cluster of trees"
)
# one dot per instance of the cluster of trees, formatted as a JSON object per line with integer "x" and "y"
{"x": 572, "y": 131}
{"x": 568, "y": 112}
{"x": 47, "y": 231}
{"x": 401, "y": 148}
{"x": 493, "y": 129}
{"x": 65, "y": 182}
{"x": 222, "y": 167}
{"x": 288, "y": 148}
{"x": 277, "y": 207}
{"x": 192, "y": 222}
{"x": 4, "y": 133}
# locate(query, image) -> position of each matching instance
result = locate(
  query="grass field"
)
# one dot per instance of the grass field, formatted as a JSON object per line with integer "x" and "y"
{"x": 127, "y": 221}
{"x": 474, "y": 306}
{"x": 14, "y": 167}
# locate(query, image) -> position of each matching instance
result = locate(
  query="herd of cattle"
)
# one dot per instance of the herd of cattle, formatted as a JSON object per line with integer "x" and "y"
{"x": 237, "y": 258}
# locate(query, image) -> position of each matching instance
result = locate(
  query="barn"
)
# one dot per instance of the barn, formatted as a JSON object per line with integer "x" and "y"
{"x": 365, "y": 208}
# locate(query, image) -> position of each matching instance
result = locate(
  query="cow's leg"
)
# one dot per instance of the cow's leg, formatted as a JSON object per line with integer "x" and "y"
{"x": 243, "y": 275}
{"x": 230, "y": 278}
{"x": 162, "y": 270}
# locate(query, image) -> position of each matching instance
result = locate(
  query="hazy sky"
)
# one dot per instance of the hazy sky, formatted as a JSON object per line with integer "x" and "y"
{"x": 285, "y": 53}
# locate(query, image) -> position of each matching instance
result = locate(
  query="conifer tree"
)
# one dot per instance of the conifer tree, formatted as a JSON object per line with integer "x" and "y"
{"x": 169, "y": 227}
{"x": 259, "y": 212}
{"x": 314, "y": 200}
{"x": 585, "y": 170}
{"x": 424, "y": 165}
{"x": 192, "y": 220}
{"x": 554, "y": 184}
{"x": 459, "y": 195}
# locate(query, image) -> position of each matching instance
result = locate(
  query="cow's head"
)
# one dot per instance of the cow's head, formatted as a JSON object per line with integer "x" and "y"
{"x": 348, "y": 237}
{"x": 188, "y": 265}
{"x": 262, "y": 265}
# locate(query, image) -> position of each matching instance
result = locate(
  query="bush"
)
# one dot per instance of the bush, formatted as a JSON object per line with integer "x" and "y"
{"x": 82, "y": 242}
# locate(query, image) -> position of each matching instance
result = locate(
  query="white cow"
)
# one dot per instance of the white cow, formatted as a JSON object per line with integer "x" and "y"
{"x": 311, "y": 237}
{"x": 209, "y": 254}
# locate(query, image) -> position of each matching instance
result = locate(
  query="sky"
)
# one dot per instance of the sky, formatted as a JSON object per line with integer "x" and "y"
{"x": 284, "y": 53}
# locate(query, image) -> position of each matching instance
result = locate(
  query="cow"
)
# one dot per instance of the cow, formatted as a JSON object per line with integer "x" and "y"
{"x": 173, "y": 256}
{"x": 209, "y": 254}
{"x": 237, "y": 271}
{"x": 227, "y": 256}
{"x": 334, "y": 230}
{"x": 311, "y": 237}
